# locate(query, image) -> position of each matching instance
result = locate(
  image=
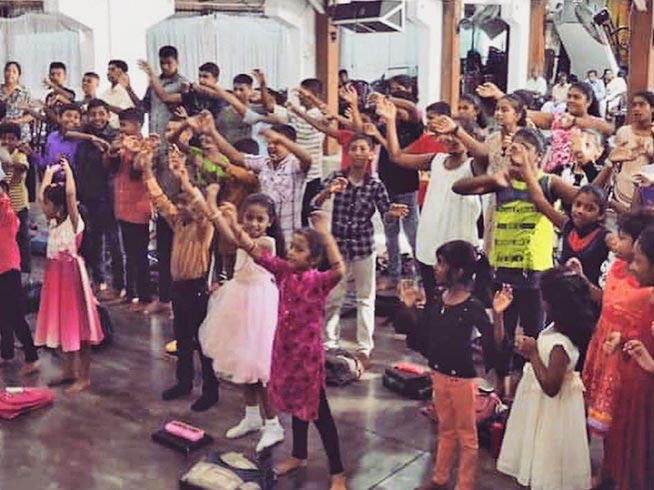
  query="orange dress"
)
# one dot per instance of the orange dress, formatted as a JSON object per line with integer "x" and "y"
{"x": 628, "y": 309}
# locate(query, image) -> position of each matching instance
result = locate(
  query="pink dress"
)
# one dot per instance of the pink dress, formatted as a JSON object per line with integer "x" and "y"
{"x": 67, "y": 314}
{"x": 239, "y": 329}
{"x": 298, "y": 359}
{"x": 560, "y": 153}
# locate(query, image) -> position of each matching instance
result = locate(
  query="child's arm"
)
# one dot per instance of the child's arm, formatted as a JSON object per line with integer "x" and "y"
{"x": 57, "y": 90}
{"x": 174, "y": 137}
{"x": 155, "y": 83}
{"x": 143, "y": 162}
{"x": 477, "y": 149}
{"x": 320, "y": 222}
{"x": 46, "y": 181}
{"x": 221, "y": 216}
{"x": 319, "y": 125}
{"x": 71, "y": 194}
{"x": 388, "y": 111}
{"x": 408, "y": 107}
{"x": 562, "y": 189}
{"x": 336, "y": 185}
{"x": 207, "y": 125}
{"x": 267, "y": 100}
{"x": 638, "y": 352}
{"x": 101, "y": 144}
{"x": 239, "y": 173}
{"x": 292, "y": 146}
{"x": 550, "y": 377}
{"x": 481, "y": 184}
{"x": 502, "y": 300}
{"x": 351, "y": 96}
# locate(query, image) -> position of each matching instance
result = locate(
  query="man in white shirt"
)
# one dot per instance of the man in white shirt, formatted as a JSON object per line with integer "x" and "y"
{"x": 536, "y": 82}
{"x": 616, "y": 91}
{"x": 597, "y": 84}
{"x": 116, "y": 96}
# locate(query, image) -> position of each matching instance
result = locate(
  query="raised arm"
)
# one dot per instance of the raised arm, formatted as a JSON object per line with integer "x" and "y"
{"x": 267, "y": 100}
{"x": 317, "y": 124}
{"x": 71, "y": 194}
{"x": 477, "y": 149}
{"x": 292, "y": 146}
{"x": 349, "y": 94}
{"x": 205, "y": 123}
{"x": 320, "y": 222}
{"x": 57, "y": 90}
{"x": 157, "y": 87}
{"x": 481, "y": 184}
{"x": 127, "y": 85}
{"x": 388, "y": 111}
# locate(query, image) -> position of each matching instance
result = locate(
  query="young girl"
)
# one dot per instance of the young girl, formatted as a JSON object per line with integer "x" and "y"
{"x": 631, "y": 438}
{"x": 545, "y": 446}
{"x": 297, "y": 373}
{"x": 240, "y": 325}
{"x": 443, "y": 337}
{"x": 67, "y": 317}
{"x": 626, "y": 308}
{"x": 523, "y": 237}
{"x": 470, "y": 108}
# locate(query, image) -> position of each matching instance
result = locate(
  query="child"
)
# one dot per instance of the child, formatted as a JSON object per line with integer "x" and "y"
{"x": 68, "y": 318}
{"x": 446, "y": 216}
{"x": 443, "y": 337}
{"x": 357, "y": 195}
{"x": 12, "y": 315}
{"x": 644, "y": 195}
{"x": 57, "y": 143}
{"x": 631, "y": 438}
{"x": 626, "y": 309}
{"x": 239, "y": 329}
{"x": 297, "y": 373}
{"x": 523, "y": 237}
{"x": 132, "y": 207}
{"x": 545, "y": 446}
{"x": 15, "y": 174}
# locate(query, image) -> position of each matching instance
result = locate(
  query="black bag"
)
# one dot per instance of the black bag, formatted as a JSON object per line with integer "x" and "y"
{"x": 341, "y": 368}
{"x": 32, "y": 295}
{"x": 107, "y": 328}
{"x": 180, "y": 444}
{"x": 229, "y": 470}
{"x": 408, "y": 384}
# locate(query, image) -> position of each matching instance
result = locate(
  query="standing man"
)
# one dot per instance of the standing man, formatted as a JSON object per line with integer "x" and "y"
{"x": 597, "y": 84}
{"x": 117, "y": 96}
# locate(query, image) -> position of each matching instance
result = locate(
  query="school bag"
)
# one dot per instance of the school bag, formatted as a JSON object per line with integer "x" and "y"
{"x": 408, "y": 380}
{"x": 341, "y": 368}
{"x": 17, "y": 401}
{"x": 229, "y": 471}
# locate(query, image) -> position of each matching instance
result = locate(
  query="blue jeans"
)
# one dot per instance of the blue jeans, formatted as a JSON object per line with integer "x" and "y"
{"x": 392, "y": 229}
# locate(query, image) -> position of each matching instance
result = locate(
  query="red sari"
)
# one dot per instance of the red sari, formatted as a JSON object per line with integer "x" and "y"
{"x": 626, "y": 308}
{"x": 630, "y": 443}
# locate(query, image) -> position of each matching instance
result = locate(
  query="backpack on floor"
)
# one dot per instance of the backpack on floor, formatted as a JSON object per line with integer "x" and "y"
{"x": 228, "y": 471}
{"x": 107, "y": 328}
{"x": 18, "y": 401}
{"x": 408, "y": 380}
{"x": 341, "y": 368}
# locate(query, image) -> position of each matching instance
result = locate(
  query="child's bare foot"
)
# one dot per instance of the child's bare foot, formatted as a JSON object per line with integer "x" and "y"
{"x": 289, "y": 465}
{"x": 338, "y": 482}
{"x": 79, "y": 385}
{"x": 64, "y": 379}
{"x": 29, "y": 368}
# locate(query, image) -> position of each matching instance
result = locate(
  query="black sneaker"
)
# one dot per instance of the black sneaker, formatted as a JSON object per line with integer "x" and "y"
{"x": 177, "y": 391}
{"x": 205, "y": 402}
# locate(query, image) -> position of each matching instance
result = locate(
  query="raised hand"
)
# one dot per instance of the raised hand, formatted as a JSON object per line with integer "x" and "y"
{"x": 489, "y": 90}
{"x": 320, "y": 222}
{"x": 152, "y": 142}
{"x": 370, "y": 129}
{"x": 503, "y": 299}
{"x": 259, "y": 76}
{"x": 133, "y": 144}
{"x": 501, "y": 179}
{"x": 339, "y": 184}
{"x": 180, "y": 112}
{"x": 349, "y": 94}
{"x": 567, "y": 121}
{"x": 612, "y": 241}
{"x": 639, "y": 353}
{"x": 399, "y": 210}
{"x": 525, "y": 346}
{"x": 507, "y": 140}
{"x": 100, "y": 144}
{"x": 445, "y": 125}
{"x": 386, "y": 109}
{"x": 229, "y": 212}
{"x": 575, "y": 264}
{"x": 146, "y": 68}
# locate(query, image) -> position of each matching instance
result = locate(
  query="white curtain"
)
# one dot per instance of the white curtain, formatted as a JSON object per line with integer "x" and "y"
{"x": 236, "y": 43}
{"x": 35, "y": 40}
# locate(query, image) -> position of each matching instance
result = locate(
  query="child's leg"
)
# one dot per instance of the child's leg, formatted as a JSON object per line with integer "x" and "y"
{"x": 164, "y": 250}
{"x": 333, "y": 311}
{"x": 84, "y": 380}
{"x": 130, "y": 262}
{"x": 464, "y": 394}
{"x": 268, "y": 410}
{"x": 23, "y": 239}
{"x": 329, "y": 435}
{"x": 363, "y": 271}
{"x": 142, "y": 238}
{"x": 252, "y": 421}
{"x": 300, "y": 450}
{"x": 273, "y": 432}
{"x": 7, "y": 313}
{"x": 67, "y": 375}
{"x": 447, "y": 431}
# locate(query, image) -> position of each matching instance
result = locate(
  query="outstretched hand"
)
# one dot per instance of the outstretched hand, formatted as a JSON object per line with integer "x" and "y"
{"x": 339, "y": 184}
{"x": 146, "y": 68}
{"x": 489, "y": 90}
{"x": 503, "y": 299}
{"x": 320, "y": 222}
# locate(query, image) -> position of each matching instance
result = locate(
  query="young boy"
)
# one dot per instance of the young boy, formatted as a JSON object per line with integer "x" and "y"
{"x": 15, "y": 172}
{"x": 357, "y": 195}
{"x": 96, "y": 193}
{"x": 281, "y": 173}
{"x": 192, "y": 236}
{"x": 57, "y": 143}
{"x": 233, "y": 123}
{"x": 90, "y": 82}
{"x": 132, "y": 206}
{"x": 12, "y": 314}
{"x": 59, "y": 95}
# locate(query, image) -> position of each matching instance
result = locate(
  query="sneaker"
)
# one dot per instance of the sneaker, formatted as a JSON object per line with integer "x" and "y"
{"x": 205, "y": 402}
{"x": 177, "y": 391}
{"x": 244, "y": 427}
{"x": 272, "y": 433}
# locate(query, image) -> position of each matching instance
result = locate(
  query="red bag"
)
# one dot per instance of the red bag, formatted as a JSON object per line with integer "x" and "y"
{"x": 17, "y": 401}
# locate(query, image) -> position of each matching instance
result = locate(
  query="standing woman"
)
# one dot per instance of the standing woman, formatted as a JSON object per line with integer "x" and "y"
{"x": 15, "y": 96}
{"x": 634, "y": 148}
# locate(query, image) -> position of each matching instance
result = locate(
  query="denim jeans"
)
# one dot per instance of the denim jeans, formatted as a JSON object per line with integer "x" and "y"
{"x": 392, "y": 229}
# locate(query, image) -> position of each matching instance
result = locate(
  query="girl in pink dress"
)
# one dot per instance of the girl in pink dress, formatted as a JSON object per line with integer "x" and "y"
{"x": 67, "y": 318}
{"x": 297, "y": 374}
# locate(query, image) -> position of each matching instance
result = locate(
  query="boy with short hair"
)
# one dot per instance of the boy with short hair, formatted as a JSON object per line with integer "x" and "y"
{"x": 90, "y": 82}
{"x": 116, "y": 95}
{"x": 59, "y": 94}
{"x": 15, "y": 170}
{"x": 233, "y": 124}
{"x": 57, "y": 143}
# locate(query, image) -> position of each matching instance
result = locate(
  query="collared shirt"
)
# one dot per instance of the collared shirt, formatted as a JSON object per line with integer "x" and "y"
{"x": 131, "y": 200}
{"x": 284, "y": 184}
{"x": 17, "y": 190}
{"x": 93, "y": 177}
{"x": 20, "y": 96}
{"x": 56, "y": 145}
{"x": 9, "y": 253}
{"x": 598, "y": 87}
{"x": 117, "y": 96}
{"x": 352, "y": 214}
{"x": 190, "y": 254}
{"x": 538, "y": 85}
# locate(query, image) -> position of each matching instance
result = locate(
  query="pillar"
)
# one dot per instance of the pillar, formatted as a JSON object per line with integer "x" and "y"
{"x": 327, "y": 66}
{"x": 450, "y": 61}
{"x": 517, "y": 15}
{"x": 427, "y": 15}
{"x": 537, "y": 36}
{"x": 641, "y": 48}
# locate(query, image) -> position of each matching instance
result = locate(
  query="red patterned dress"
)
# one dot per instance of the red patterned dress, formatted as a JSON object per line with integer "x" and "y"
{"x": 297, "y": 372}
{"x": 628, "y": 309}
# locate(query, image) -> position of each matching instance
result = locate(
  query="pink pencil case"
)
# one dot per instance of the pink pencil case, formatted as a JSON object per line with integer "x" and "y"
{"x": 183, "y": 430}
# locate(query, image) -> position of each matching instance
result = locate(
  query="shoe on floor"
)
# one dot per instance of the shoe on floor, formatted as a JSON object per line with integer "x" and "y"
{"x": 271, "y": 434}
{"x": 205, "y": 402}
{"x": 177, "y": 391}
{"x": 245, "y": 426}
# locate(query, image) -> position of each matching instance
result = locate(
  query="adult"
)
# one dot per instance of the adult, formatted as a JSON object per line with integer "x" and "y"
{"x": 16, "y": 97}
{"x": 597, "y": 84}
{"x": 560, "y": 89}
{"x": 616, "y": 93}
{"x": 116, "y": 95}
{"x": 536, "y": 82}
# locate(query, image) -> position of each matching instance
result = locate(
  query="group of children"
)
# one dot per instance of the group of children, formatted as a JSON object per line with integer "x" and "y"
{"x": 210, "y": 182}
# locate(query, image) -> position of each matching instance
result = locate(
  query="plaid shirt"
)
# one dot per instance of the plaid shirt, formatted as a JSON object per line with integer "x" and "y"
{"x": 352, "y": 215}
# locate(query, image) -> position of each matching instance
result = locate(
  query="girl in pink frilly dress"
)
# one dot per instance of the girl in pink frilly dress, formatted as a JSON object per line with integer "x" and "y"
{"x": 68, "y": 316}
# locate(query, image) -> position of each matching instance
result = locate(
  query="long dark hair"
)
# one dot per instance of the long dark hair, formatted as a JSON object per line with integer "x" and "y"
{"x": 473, "y": 268}
{"x": 56, "y": 194}
{"x": 475, "y": 101}
{"x": 646, "y": 243}
{"x": 570, "y": 305}
{"x": 587, "y": 90}
{"x": 519, "y": 105}
{"x": 274, "y": 230}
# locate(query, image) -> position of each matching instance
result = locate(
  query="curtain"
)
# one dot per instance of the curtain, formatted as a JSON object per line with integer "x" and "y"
{"x": 35, "y": 40}
{"x": 236, "y": 43}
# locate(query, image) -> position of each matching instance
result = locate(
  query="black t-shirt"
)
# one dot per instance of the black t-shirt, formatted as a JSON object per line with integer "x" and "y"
{"x": 195, "y": 103}
{"x": 400, "y": 180}
{"x": 586, "y": 245}
{"x": 92, "y": 177}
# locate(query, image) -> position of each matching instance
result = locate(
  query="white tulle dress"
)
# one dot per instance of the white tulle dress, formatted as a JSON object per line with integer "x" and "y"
{"x": 546, "y": 446}
{"x": 239, "y": 329}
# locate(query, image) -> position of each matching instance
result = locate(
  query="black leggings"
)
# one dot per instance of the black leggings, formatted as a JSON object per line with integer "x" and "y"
{"x": 328, "y": 433}
{"x": 12, "y": 317}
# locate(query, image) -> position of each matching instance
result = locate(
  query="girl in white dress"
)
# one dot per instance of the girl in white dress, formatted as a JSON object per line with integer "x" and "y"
{"x": 546, "y": 445}
{"x": 239, "y": 329}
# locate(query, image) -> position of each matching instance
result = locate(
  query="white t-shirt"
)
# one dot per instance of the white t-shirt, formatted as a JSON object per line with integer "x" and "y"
{"x": 446, "y": 215}
{"x": 117, "y": 96}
